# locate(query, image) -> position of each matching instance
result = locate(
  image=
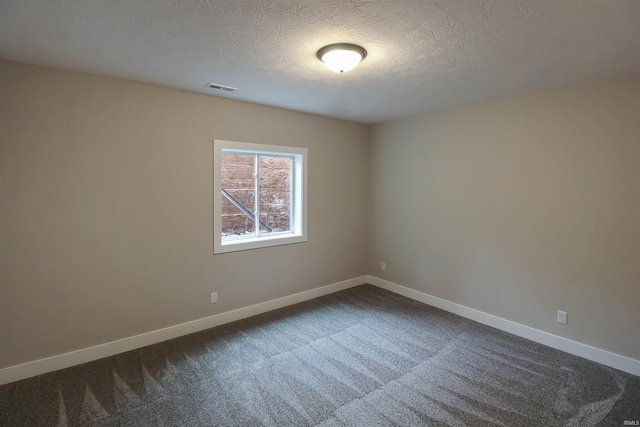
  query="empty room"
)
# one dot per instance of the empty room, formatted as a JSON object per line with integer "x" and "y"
{"x": 319, "y": 213}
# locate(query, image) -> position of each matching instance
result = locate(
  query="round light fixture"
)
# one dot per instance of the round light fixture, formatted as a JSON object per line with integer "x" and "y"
{"x": 341, "y": 57}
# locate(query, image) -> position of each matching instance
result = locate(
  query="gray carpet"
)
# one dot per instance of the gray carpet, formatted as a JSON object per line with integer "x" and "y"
{"x": 361, "y": 357}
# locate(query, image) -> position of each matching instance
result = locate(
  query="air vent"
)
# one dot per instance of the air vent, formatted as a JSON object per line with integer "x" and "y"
{"x": 221, "y": 87}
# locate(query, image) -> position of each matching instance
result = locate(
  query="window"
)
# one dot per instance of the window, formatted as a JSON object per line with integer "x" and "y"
{"x": 259, "y": 195}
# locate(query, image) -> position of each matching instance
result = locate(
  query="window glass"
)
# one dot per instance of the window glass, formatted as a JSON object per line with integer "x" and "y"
{"x": 238, "y": 194}
{"x": 274, "y": 193}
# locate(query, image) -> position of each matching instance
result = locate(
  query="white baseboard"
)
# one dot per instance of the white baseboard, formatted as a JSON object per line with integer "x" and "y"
{"x": 54, "y": 363}
{"x": 604, "y": 357}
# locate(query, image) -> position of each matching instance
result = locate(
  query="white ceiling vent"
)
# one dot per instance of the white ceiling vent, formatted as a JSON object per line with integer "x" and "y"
{"x": 221, "y": 87}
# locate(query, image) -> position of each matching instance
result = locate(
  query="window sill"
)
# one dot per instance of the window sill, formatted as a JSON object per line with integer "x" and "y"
{"x": 258, "y": 242}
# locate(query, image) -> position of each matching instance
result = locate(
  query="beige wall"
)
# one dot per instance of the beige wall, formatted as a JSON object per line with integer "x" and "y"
{"x": 519, "y": 208}
{"x": 106, "y": 209}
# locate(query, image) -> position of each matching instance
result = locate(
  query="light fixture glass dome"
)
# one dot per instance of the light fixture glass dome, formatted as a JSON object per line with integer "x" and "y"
{"x": 342, "y": 57}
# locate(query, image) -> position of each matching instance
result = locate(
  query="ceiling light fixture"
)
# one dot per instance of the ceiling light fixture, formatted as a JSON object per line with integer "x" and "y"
{"x": 341, "y": 57}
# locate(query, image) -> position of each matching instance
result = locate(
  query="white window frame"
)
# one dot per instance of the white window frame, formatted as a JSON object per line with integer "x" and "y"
{"x": 298, "y": 218}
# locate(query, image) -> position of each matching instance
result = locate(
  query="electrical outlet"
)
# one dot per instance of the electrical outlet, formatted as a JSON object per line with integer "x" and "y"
{"x": 383, "y": 266}
{"x": 562, "y": 317}
{"x": 214, "y": 297}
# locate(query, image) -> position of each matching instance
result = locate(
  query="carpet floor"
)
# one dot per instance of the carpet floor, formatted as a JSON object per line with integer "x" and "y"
{"x": 360, "y": 357}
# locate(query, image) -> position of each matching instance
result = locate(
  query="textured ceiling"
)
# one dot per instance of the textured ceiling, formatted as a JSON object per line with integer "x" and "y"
{"x": 422, "y": 55}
